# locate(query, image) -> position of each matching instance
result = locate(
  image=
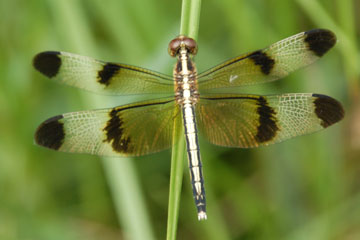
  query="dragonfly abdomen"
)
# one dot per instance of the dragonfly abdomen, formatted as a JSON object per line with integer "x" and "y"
{"x": 195, "y": 166}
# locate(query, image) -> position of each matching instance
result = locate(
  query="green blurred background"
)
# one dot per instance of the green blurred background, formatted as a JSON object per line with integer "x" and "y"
{"x": 304, "y": 188}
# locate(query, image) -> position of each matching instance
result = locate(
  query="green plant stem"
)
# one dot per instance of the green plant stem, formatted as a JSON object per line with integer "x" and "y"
{"x": 190, "y": 16}
{"x": 176, "y": 176}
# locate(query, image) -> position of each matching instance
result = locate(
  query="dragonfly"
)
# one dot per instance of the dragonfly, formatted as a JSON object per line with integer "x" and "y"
{"x": 224, "y": 119}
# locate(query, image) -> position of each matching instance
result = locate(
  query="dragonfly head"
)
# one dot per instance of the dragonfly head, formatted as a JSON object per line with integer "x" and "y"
{"x": 182, "y": 42}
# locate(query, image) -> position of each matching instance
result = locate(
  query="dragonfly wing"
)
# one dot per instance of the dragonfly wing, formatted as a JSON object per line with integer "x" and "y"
{"x": 269, "y": 64}
{"x": 250, "y": 121}
{"x": 129, "y": 130}
{"x": 102, "y": 77}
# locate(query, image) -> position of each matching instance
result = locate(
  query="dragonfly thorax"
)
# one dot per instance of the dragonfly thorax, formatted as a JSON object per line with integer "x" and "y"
{"x": 185, "y": 79}
{"x": 184, "y": 70}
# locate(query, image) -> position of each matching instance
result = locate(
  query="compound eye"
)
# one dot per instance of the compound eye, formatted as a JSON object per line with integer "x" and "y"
{"x": 174, "y": 46}
{"x": 190, "y": 45}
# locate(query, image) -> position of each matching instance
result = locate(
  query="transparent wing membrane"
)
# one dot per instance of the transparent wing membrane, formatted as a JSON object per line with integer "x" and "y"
{"x": 129, "y": 130}
{"x": 250, "y": 121}
{"x": 101, "y": 77}
{"x": 269, "y": 64}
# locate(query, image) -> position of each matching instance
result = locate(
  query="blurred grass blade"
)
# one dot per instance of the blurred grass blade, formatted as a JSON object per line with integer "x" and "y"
{"x": 127, "y": 197}
{"x": 125, "y": 188}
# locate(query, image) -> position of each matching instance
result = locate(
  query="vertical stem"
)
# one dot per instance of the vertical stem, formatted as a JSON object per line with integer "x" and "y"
{"x": 176, "y": 176}
{"x": 190, "y": 15}
{"x": 190, "y": 18}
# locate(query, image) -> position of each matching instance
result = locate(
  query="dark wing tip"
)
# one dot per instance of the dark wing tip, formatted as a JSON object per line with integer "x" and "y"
{"x": 328, "y": 109}
{"x": 48, "y": 63}
{"x": 50, "y": 133}
{"x": 320, "y": 40}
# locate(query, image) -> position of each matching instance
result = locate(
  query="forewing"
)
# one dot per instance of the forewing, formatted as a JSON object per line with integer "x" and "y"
{"x": 271, "y": 63}
{"x": 102, "y": 77}
{"x": 250, "y": 121}
{"x": 129, "y": 130}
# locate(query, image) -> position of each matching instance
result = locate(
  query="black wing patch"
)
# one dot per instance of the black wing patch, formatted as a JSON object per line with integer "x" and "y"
{"x": 48, "y": 63}
{"x": 267, "y": 128}
{"x": 328, "y": 110}
{"x": 265, "y": 62}
{"x": 106, "y": 74}
{"x": 115, "y": 133}
{"x": 320, "y": 41}
{"x": 51, "y": 133}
